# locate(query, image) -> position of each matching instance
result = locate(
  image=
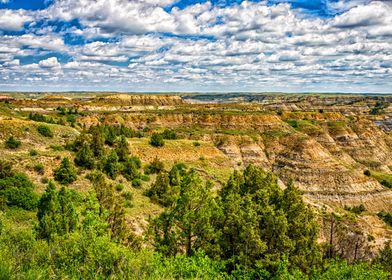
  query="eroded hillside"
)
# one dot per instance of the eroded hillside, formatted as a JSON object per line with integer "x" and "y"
{"x": 323, "y": 143}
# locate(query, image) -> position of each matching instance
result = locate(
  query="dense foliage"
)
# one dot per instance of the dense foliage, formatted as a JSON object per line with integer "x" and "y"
{"x": 15, "y": 188}
{"x": 66, "y": 173}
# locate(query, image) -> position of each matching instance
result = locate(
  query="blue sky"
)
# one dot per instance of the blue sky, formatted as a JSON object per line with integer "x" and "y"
{"x": 189, "y": 45}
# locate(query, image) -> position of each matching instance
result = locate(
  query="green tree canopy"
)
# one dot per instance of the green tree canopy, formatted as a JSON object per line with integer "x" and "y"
{"x": 65, "y": 174}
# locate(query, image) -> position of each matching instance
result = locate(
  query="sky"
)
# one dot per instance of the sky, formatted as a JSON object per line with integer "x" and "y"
{"x": 189, "y": 45}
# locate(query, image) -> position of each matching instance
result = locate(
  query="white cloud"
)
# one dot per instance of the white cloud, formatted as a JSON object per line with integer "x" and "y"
{"x": 12, "y": 20}
{"x": 50, "y": 62}
{"x": 251, "y": 46}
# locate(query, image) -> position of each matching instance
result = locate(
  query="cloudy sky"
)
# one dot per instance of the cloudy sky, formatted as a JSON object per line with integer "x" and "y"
{"x": 189, "y": 45}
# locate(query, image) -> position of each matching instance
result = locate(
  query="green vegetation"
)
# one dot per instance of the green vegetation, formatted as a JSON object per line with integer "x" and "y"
{"x": 379, "y": 108}
{"x": 39, "y": 168}
{"x": 251, "y": 229}
{"x": 65, "y": 174}
{"x": 169, "y": 134}
{"x": 12, "y": 143}
{"x": 383, "y": 178}
{"x": 386, "y": 217}
{"x": 163, "y": 219}
{"x": 33, "y": 152}
{"x": 154, "y": 167}
{"x": 85, "y": 157}
{"x": 156, "y": 140}
{"x": 356, "y": 209}
{"x": 45, "y": 130}
{"x": 15, "y": 188}
{"x": 40, "y": 118}
{"x": 56, "y": 213}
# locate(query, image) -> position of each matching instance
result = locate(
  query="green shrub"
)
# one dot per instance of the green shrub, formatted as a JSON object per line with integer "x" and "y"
{"x": 367, "y": 172}
{"x": 111, "y": 166}
{"x": 18, "y": 191}
{"x": 157, "y": 140}
{"x": 169, "y": 134}
{"x": 5, "y": 169}
{"x": 85, "y": 157}
{"x": 128, "y": 197}
{"x": 45, "y": 130}
{"x": 154, "y": 167}
{"x": 65, "y": 174}
{"x": 12, "y": 143}
{"x": 119, "y": 187}
{"x": 130, "y": 169}
{"x": 39, "y": 168}
{"x": 136, "y": 182}
{"x": 33, "y": 152}
{"x": 356, "y": 209}
{"x": 386, "y": 217}
{"x": 56, "y": 147}
{"x": 196, "y": 144}
{"x": 145, "y": 178}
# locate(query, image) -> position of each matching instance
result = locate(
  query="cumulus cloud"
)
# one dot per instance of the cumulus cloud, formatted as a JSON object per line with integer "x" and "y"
{"x": 148, "y": 44}
{"x": 11, "y": 20}
{"x": 50, "y": 62}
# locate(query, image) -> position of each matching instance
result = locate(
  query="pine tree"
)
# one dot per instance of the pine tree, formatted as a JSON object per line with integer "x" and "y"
{"x": 303, "y": 229}
{"x": 110, "y": 207}
{"x": 110, "y": 136}
{"x": 69, "y": 217}
{"x": 111, "y": 166}
{"x": 56, "y": 213}
{"x": 130, "y": 168}
{"x": 240, "y": 240}
{"x": 97, "y": 143}
{"x": 264, "y": 224}
{"x": 122, "y": 148}
{"x": 65, "y": 174}
{"x": 187, "y": 225}
{"x": 160, "y": 190}
{"x": 85, "y": 157}
{"x": 48, "y": 213}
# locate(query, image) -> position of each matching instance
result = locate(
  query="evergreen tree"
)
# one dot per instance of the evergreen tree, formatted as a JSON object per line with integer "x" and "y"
{"x": 85, "y": 157}
{"x": 110, "y": 207}
{"x": 131, "y": 167}
{"x": 263, "y": 224}
{"x": 303, "y": 229}
{"x": 65, "y": 174}
{"x": 56, "y": 213}
{"x": 176, "y": 174}
{"x": 110, "y": 136}
{"x": 160, "y": 190}
{"x": 154, "y": 167}
{"x": 240, "y": 240}
{"x": 122, "y": 148}
{"x": 187, "y": 225}
{"x": 111, "y": 166}
{"x": 68, "y": 213}
{"x": 48, "y": 213}
{"x": 97, "y": 143}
